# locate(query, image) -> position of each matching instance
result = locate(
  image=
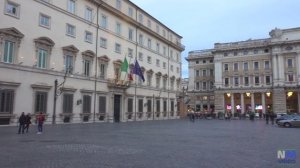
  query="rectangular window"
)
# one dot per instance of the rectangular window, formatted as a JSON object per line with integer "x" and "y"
{"x": 165, "y": 106}
{"x": 149, "y": 76}
{"x": 102, "y": 104}
{"x": 140, "y": 56}
{"x": 226, "y": 67}
{"x": 40, "y": 102}
{"x": 157, "y": 47}
{"x": 290, "y": 63}
{"x": 164, "y": 33}
{"x": 118, "y": 48}
{"x": 130, "y": 52}
{"x": 71, "y": 6}
{"x": 118, "y": 28}
{"x": 164, "y": 65}
{"x": 245, "y": 66}
{"x": 102, "y": 71}
{"x": 149, "y": 60}
{"x": 86, "y": 64}
{"x": 149, "y": 43}
{"x": 172, "y": 106}
{"x": 172, "y": 68}
{"x": 141, "y": 18}
{"x": 236, "y": 67}
{"x": 290, "y": 77}
{"x": 86, "y": 104}
{"x": 157, "y": 105}
{"x": 69, "y": 63}
{"x": 157, "y": 29}
{"x": 103, "y": 23}
{"x": 6, "y": 101}
{"x": 204, "y": 85}
{"x": 12, "y": 9}
{"x": 42, "y": 58}
{"x": 89, "y": 14}
{"x": 268, "y": 80}
{"x": 44, "y": 21}
{"x": 8, "y": 52}
{"x": 140, "y": 105}
{"x": 130, "y": 34}
{"x": 68, "y": 103}
{"x": 236, "y": 81}
{"x": 149, "y": 24}
{"x": 211, "y": 72}
{"x": 149, "y": 105}
{"x": 158, "y": 62}
{"x": 226, "y": 81}
{"x": 71, "y": 30}
{"x": 157, "y": 82}
{"x": 130, "y": 11}
{"x": 197, "y": 73}
{"x": 246, "y": 81}
{"x": 204, "y": 72}
{"x": 256, "y": 80}
{"x": 103, "y": 42}
{"x": 165, "y": 50}
{"x": 197, "y": 86}
{"x": 141, "y": 40}
{"x": 164, "y": 83}
{"x": 118, "y": 4}
{"x": 177, "y": 70}
{"x": 267, "y": 64}
{"x": 256, "y": 65}
{"x": 88, "y": 37}
{"x": 130, "y": 105}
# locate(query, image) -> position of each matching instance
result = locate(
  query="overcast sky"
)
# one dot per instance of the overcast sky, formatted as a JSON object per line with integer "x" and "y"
{"x": 202, "y": 23}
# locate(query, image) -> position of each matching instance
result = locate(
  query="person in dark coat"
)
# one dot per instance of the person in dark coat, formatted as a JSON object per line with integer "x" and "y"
{"x": 21, "y": 123}
{"x": 272, "y": 117}
{"x": 267, "y": 117}
{"x": 27, "y": 122}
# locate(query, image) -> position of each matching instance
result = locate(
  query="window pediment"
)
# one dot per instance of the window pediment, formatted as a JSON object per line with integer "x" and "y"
{"x": 172, "y": 77}
{"x": 88, "y": 53}
{"x": 12, "y": 32}
{"x": 158, "y": 74}
{"x": 118, "y": 62}
{"x": 44, "y": 41}
{"x": 150, "y": 71}
{"x": 165, "y": 76}
{"x": 104, "y": 58}
{"x": 71, "y": 48}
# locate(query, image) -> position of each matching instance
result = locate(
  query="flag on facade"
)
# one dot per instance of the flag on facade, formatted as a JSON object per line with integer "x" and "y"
{"x": 138, "y": 71}
{"x": 124, "y": 70}
{"x": 130, "y": 75}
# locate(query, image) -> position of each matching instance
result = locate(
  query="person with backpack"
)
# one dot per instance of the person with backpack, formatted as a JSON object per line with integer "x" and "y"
{"x": 22, "y": 119}
{"x": 27, "y": 122}
{"x": 40, "y": 121}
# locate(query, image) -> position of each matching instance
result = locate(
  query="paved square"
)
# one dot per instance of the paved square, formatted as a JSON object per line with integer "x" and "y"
{"x": 149, "y": 144}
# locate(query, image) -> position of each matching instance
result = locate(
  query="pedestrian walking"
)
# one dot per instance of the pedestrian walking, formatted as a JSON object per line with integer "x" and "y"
{"x": 21, "y": 123}
{"x": 267, "y": 117}
{"x": 27, "y": 122}
{"x": 40, "y": 120}
{"x": 272, "y": 117}
{"x": 192, "y": 115}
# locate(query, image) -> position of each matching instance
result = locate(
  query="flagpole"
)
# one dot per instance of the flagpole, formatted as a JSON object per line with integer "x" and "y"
{"x": 135, "y": 98}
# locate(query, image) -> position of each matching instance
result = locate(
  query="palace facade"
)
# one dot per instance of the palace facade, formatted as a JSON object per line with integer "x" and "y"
{"x": 63, "y": 58}
{"x": 248, "y": 76}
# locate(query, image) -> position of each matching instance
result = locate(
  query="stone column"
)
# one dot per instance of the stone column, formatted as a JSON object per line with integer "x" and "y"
{"x": 298, "y": 101}
{"x": 242, "y": 103}
{"x": 219, "y": 101}
{"x": 232, "y": 103}
{"x": 263, "y": 102}
{"x": 279, "y": 100}
{"x": 252, "y": 102}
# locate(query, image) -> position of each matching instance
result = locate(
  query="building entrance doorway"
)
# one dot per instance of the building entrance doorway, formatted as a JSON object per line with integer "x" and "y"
{"x": 117, "y": 108}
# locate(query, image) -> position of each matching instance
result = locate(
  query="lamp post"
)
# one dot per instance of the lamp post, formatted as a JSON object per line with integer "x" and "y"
{"x": 58, "y": 89}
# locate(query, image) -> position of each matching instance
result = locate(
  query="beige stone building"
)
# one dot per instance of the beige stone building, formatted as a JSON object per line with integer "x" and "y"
{"x": 253, "y": 75}
{"x": 81, "y": 45}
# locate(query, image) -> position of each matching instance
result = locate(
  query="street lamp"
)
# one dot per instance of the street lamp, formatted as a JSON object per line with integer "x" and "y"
{"x": 58, "y": 90}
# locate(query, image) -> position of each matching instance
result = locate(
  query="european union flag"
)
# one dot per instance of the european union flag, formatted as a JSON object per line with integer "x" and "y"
{"x": 138, "y": 71}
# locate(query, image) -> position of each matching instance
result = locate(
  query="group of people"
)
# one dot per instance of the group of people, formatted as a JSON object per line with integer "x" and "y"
{"x": 270, "y": 116}
{"x": 25, "y": 121}
{"x": 191, "y": 114}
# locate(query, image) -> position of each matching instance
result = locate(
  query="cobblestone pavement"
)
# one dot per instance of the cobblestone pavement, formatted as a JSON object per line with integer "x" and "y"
{"x": 150, "y": 144}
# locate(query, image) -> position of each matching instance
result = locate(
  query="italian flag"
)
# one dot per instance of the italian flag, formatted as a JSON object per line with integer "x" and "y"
{"x": 124, "y": 70}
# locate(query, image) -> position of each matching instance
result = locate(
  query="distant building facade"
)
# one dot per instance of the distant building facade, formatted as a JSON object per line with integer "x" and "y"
{"x": 81, "y": 45}
{"x": 253, "y": 75}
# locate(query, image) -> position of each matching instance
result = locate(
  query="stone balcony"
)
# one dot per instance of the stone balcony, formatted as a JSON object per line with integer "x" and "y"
{"x": 114, "y": 83}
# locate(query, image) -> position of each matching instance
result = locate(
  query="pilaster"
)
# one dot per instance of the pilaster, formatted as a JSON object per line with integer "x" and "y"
{"x": 219, "y": 101}
{"x": 279, "y": 100}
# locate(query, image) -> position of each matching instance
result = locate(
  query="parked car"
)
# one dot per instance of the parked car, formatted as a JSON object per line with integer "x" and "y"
{"x": 291, "y": 122}
{"x": 280, "y": 114}
{"x": 285, "y": 117}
